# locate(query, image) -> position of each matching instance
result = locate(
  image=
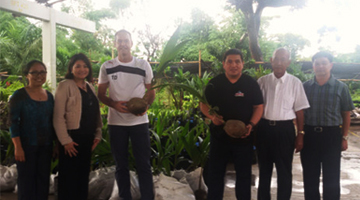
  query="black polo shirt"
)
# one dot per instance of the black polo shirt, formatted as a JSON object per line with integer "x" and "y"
{"x": 234, "y": 100}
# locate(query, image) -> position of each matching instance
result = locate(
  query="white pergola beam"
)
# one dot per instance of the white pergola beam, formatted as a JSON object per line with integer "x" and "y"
{"x": 26, "y": 8}
{"x": 37, "y": 11}
{"x": 70, "y": 21}
{"x": 49, "y": 50}
{"x": 50, "y": 18}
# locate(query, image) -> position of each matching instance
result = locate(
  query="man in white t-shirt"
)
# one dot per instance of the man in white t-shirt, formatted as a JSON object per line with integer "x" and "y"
{"x": 284, "y": 101}
{"x": 127, "y": 77}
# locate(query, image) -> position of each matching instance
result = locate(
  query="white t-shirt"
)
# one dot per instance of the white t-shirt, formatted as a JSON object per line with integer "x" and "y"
{"x": 126, "y": 80}
{"x": 282, "y": 97}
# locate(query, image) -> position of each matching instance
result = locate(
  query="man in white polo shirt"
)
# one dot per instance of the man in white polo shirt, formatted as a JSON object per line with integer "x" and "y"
{"x": 127, "y": 77}
{"x": 284, "y": 101}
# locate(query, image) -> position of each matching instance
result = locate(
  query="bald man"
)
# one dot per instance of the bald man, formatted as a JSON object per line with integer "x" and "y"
{"x": 284, "y": 101}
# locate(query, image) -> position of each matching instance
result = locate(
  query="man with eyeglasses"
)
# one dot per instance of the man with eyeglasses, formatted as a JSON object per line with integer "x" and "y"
{"x": 327, "y": 123}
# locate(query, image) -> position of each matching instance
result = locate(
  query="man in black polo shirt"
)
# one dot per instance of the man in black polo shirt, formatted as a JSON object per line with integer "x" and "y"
{"x": 238, "y": 97}
{"x": 327, "y": 122}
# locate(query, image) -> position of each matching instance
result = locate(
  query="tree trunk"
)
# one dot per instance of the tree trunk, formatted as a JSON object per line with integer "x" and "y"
{"x": 252, "y": 25}
{"x": 253, "y": 18}
{"x": 254, "y": 42}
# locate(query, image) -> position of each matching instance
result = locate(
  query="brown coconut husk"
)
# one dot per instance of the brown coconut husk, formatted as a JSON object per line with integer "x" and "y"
{"x": 136, "y": 105}
{"x": 235, "y": 128}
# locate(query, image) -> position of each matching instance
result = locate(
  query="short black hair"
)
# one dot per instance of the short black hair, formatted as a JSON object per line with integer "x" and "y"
{"x": 321, "y": 54}
{"x": 27, "y": 67}
{"x": 233, "y": 52}
{"x": 73, "y": 59}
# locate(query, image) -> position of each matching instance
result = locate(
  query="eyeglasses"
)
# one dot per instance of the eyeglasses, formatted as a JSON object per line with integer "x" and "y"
{"x": 36, "y": 73}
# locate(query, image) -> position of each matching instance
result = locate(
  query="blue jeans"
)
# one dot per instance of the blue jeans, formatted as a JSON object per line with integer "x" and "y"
{"x": 140, "y": 141}
{"x": 220, "y": 154}
{"x": 34, "y": 173}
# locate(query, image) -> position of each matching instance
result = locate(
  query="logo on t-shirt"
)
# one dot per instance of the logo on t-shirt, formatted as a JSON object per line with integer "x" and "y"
{"x": 239, "y": 94}
{"x": 114, "y": 77}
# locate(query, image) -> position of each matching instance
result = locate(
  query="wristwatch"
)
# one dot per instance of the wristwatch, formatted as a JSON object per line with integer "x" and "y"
{"x": 252, "y": 124}
{"x": 345, "y": 137}
{"x": 302, "y": 132}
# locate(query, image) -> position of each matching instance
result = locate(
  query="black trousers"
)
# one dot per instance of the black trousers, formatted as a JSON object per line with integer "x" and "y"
{"x": 275, "y": 145}
{"x": 73, "y": 182}
{"x": 220, "y": 154}
{"x": 321, "y": 152}
{"x": 34, "y": 173}
{"x": 140, "y": 142}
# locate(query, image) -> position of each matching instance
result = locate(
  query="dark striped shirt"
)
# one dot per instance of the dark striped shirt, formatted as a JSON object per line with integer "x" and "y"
{"x": 326, "y": 102}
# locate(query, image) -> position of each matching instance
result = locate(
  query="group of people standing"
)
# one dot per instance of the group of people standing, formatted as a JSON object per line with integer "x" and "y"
{"x": 72, "y": 121}
{"x": 312, "y": 118}
{"x": 278, "y": 104}
{"x": 74, "y": 115}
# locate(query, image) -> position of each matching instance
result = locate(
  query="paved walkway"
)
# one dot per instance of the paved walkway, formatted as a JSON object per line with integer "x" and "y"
{"x": 350, "y": 175}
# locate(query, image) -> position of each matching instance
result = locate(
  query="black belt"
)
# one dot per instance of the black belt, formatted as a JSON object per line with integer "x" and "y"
{"x": 277, "y": 123}
{"x": 320, "y": 129}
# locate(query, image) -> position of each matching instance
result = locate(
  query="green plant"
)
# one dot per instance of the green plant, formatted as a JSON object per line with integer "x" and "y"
{"x": 171, "y": 49}
{"x": 4, "y": 114}
{"x": 9, "y": 152}
{"x": 9, "y": 86}
{"x": 257, "y": 73}
{"x": 197, "y": 144}
{"x": 198, "y": 148}
{"x": 101, "y": 156}
{"x": 295, "y": 69}
{"x": 163, "y": 153}
{"x": 163, "y": 123}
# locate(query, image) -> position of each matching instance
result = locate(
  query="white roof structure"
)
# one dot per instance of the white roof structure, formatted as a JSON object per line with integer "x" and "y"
{"x": 50, "y": 18}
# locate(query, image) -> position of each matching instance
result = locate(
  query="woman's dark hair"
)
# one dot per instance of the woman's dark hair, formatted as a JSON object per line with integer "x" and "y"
{"x": 27, "y": 67}
{"x": 73, "y": 59}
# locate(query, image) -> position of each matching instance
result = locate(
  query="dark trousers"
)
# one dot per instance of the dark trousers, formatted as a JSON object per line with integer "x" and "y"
{"x": 220, "y": 154}
{"x": 140, "y": 141}
{"x": 275, "y": 145}
{"x": 321, "y": 151}
{"x": 34, "y": 173}
{"x": 73, "y": 182}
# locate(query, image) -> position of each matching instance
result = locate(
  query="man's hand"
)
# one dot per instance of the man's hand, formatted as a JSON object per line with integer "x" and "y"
{"x": 344, "y": 145}
{"x": 217, "y": 120}
{"x": 95, "y": 143}
{"x": 70, "y": 149}
{"x": 249, "y": 128}
{"x": 19, "y": 154}
{"x": 299, "y": 142}
{"x": 120, "y": 106}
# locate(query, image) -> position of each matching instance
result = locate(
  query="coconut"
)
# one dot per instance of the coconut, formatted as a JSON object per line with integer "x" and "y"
{"x": 235, "y": 128}
{"x": 136, "y": 105}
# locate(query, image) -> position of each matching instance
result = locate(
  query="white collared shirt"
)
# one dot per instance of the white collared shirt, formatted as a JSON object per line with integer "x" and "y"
{"x": 282, "y": 96}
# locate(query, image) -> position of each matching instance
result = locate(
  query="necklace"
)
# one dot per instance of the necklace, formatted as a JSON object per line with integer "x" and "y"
{"x": 83, "y": 86}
